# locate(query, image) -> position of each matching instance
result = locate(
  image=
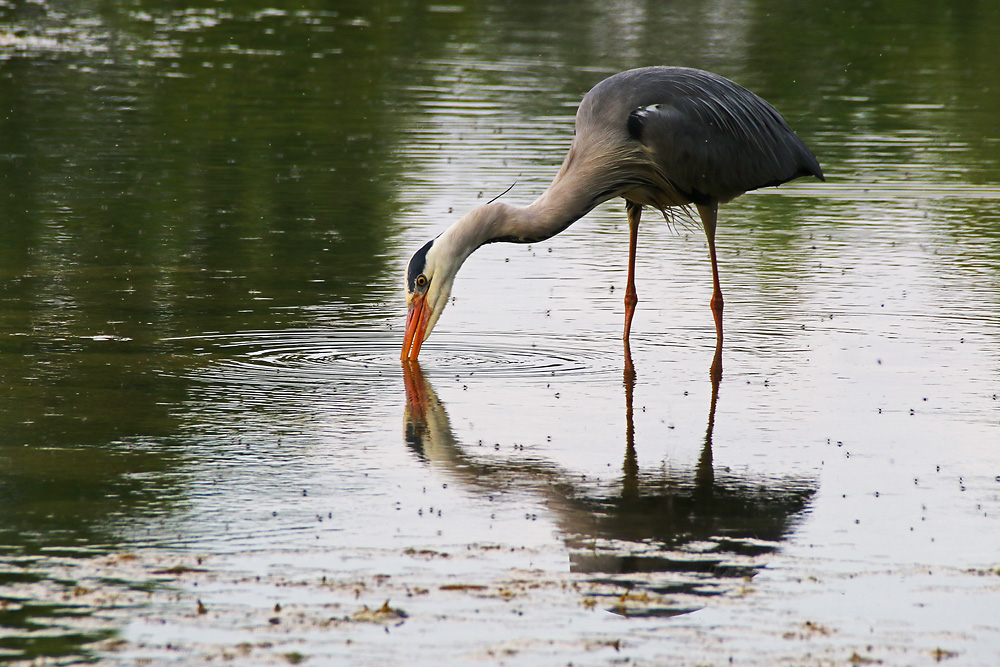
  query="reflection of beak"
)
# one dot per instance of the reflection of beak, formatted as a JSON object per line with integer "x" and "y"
{"x": 415, "y": 414}
{"x": 416, "y": 327}
{"x": 416, "y": 389}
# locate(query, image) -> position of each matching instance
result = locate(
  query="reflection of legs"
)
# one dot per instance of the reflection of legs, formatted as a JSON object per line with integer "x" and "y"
{"x": 634, "y": 211}
{"x": 709, "y": 215}
{"x": 705, "y": 475}
{"x": 630, "y": 469}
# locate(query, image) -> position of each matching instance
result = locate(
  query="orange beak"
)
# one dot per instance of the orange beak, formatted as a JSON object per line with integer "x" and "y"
{"x": 416, "y": 327}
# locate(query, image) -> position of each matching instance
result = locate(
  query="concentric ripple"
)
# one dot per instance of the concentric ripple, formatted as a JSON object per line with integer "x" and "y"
{"x": 308, "y": 356}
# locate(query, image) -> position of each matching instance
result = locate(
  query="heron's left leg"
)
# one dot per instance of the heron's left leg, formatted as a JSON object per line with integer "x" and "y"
{"x": 709, "y": 215}
{"x": 634, "y": 211}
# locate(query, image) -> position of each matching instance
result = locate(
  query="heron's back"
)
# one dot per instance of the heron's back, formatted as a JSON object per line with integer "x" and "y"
{"x": 710, "y": 138}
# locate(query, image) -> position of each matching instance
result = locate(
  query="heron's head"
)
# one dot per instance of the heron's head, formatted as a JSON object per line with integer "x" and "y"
{"x": 432, "y": 269}
{"x": 429, "y": 277}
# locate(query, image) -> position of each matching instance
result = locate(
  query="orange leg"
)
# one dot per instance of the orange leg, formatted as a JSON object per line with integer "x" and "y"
{"x": 634, "y": 211}
{"x": 709, "y": 216}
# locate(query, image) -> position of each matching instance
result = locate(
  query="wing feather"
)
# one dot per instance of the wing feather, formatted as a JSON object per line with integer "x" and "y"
{"x": 710, "y": 138}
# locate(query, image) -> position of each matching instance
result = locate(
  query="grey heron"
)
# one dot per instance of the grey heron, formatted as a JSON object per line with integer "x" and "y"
{"x": 657, "y": 136}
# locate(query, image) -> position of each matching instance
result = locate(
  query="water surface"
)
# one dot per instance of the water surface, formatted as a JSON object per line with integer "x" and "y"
{"x": 209, "y": 448}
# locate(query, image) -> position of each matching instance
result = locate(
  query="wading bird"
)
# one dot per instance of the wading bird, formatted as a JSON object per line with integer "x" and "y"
{"x": 656, "y": 136}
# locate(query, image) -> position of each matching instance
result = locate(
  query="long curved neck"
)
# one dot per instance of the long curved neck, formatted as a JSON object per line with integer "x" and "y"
{"x": 555, "y": 209}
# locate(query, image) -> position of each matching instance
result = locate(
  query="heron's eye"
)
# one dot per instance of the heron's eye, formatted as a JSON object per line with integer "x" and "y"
{"x": 421, "y": 280}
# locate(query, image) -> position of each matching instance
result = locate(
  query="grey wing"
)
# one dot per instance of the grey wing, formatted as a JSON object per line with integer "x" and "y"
{"x": 717, "y": 144}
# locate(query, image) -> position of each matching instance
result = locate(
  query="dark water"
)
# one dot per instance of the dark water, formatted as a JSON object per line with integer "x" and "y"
{"x": 204, "y": 215}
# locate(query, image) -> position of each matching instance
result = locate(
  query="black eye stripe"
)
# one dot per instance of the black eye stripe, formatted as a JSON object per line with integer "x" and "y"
{"x": 416, "y": 266}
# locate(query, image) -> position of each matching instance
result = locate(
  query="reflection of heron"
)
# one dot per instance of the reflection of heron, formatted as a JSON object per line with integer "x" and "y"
{"x": 705, "y": 473}
{"x": 657, "y": 136}
{"x": 695, "y": 530}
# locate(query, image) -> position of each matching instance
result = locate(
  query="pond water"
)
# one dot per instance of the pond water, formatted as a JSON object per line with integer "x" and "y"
{"x": 209, "y": 448}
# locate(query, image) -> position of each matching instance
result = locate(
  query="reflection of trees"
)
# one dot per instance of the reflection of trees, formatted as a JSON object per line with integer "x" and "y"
{"x": 225, "y": 159}
{"x": 166, "y": 173}
{"x": 141, "y": 196}
{"x": 173, "y": 172}
{"x": 689, "y": 530}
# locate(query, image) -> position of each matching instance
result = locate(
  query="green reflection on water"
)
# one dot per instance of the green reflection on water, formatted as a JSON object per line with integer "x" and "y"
{"x": 167, "y": 171}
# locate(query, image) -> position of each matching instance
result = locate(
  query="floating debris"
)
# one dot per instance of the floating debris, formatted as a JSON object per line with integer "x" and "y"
{"x": 384, "y": 614}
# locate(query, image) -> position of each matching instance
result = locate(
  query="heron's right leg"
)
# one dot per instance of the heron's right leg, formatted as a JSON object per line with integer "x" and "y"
{"x": 709, "y": 215}
{"x": 634, "y": 211}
